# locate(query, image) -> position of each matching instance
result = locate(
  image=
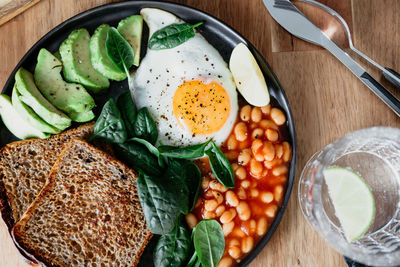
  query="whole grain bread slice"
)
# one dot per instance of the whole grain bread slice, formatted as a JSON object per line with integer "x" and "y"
{"x": 25, "y": 165}
{"x": 87, "y": 214}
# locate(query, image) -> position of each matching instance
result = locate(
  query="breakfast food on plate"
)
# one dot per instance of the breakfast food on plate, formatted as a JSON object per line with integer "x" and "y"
{"x": 188, "y": 89}
{"x": 213, "y": 167}
{"x": 88, "y": 213}
{"x": 24, "y": 166}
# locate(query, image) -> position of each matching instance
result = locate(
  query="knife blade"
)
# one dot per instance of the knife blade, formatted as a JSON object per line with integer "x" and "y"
{"x": 291, "y": 19}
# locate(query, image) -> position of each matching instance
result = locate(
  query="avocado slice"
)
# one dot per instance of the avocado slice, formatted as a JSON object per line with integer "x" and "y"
{"x": 31, "y": 96}
{"x": 131, "y": 28}
{"x": 78, "y": 68}
{"x": 15, "y": 123}
{"x": 83, "y": 116}
{"x": 68, "y": 97}
{"x": 30, "y": 116}
{"x": 99, "y": 57}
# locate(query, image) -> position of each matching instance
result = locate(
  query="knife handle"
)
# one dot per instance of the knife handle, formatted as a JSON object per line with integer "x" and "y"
{"x": 394, "y": 78}
{"x": 381, "y": 92}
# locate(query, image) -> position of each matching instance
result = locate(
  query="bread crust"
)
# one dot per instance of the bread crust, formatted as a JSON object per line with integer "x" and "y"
{"x": 19, "y": 230}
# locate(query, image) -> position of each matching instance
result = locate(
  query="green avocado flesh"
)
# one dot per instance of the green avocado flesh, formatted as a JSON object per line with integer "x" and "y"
{"x": 75, "y": 54}
{"x": 99, "y": 57}
{"x": 15, "y": 123}
{"x": 83, "y": 116}
{"x": 32, "y": 97}
{"x": 131, "y": 29}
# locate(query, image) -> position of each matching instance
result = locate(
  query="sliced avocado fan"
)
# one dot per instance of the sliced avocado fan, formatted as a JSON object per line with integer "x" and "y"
{"x": 131, "y": 29}
{"x": 78, "y": 68}
{"x": 68, "y": 97}
{"x": 32, "y": 97}
{"x": 99, "y": 57}
{"x": 15, "y": 123}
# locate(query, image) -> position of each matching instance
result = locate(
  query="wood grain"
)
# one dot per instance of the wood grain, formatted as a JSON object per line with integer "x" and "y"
{"x": 12, "y": 8}
{"x": 327, "y": 101}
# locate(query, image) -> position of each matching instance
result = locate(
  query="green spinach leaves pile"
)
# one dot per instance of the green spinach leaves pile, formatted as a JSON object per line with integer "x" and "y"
{"x": 168, "y": 183}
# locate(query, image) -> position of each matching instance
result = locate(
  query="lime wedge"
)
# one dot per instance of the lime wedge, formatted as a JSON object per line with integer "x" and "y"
{"x": 352, "y": 199}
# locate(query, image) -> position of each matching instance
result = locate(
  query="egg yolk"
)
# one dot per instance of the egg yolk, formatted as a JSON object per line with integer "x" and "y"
{"x": 201, "y": 108}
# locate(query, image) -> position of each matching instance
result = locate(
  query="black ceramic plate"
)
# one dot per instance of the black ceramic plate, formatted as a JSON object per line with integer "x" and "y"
{"x": 220, "y": 35}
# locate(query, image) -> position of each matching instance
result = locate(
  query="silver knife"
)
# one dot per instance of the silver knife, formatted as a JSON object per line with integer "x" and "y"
{"x": 292, "y": 20}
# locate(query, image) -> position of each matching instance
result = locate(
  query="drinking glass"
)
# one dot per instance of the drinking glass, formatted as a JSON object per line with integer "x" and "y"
{"x": 374, "y": 154}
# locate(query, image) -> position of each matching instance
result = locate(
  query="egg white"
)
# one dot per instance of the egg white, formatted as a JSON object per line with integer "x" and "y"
{"x": 162, "y": 71}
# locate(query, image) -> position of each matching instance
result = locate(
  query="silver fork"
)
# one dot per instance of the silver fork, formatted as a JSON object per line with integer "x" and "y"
{"x": 390, "y": 75}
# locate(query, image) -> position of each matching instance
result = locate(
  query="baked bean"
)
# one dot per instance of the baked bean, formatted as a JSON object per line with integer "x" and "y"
{"x": 287, "y": 152}
{"x": 209, "y": 215}
{"x": 277, "y": 116}
{"x": 265, "y": 172}
{"x": 268, "y": 151}
{"x": 277, "y": 180}
{"x": 278, "y": 193}
{"x": 256, "y": 168}
{"x": 241, "y": 131}
{"x": 241, "y": 193}
{"x": 238, "y": 232}
{"x": 225, "y": 262}
{"x": 244, "y": 157}
{"x": 243, "y": 211}
{"x": 191, "y": 220}
{"x": 205, "y": 182}
{"x": 247, "y": 244}
{"x": 241, "y": 173}
{"x": 271, "y": 211}
{"x": 227, "y": 228}
{"x": 231, "y": 155}
{"x": 262, "y": 226}
{"x": 209, "y": 194}
{"x": 234, "y": 166}
{"x": 210, "y": 205}
{"x": 259, "y": 156}
{"x": 253, "y": 184}
{"x": 253, "y": 125}
{"x": 245, "y": 184}
{"x": 267, "y": 197}
{"x": 272, "y": 135}
{"x": 234, "y": 243}
{"x": 254, "y": 192}
{"x": 234, "y": 252}
{"x": 215, "y": 185}
{"x": 266, "y": 109}
{"x": 256, "y": 145}
{"x": 279, "y": 170}
{"x": 278, "y": 151}
{"x": 268, "y": 124}
{"x": 272, "y": 163}
{"x": 231, "y": 198}
{"x": 218, "y": 196}
{"x": 232, "y": 143}
{"x": 249, "y": 227}
{"x": 220, "y": 210}
{"x": 256, "y": 114}
{"x": 244, "y": 144}
{"x": 245, "y": 113}
{"x": 257, "y": 133}
{"x": 228, "y": 216}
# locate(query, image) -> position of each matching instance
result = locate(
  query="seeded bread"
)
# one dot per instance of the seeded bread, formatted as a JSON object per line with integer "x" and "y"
{"x": 87, "y": 214}
{"x": 24, "y": 166}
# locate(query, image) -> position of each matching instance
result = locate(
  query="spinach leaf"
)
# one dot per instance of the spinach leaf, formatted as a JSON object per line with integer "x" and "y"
{"x": 194, "y": 261}
{"x": 173, "y": 249}
{"x": 138, "y": 157}
{"x": 119, "y": 51}
{"x": 110, "y": 126}
{"x": 159, "y": 203}
{"x": 189, "y": 152}
{"x": 128, "y": 111}
{"x": 193, "y": 181}
{"x": 220, "y": 166}
{"x": 176, "y": 175}
{"x": 152, "y": 150}
{"x": 209, "y": 242}
{"x": 145, "y": 127}
{"x": 172, "y": 36}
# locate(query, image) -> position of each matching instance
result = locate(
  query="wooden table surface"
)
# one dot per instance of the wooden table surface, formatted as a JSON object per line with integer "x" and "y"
{"x": 327, "y": 101}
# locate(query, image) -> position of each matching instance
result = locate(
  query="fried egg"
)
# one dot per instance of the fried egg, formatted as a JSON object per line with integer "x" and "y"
{"x": 188, "y": 89}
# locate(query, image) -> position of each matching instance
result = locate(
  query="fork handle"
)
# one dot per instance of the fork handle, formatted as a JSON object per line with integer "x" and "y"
{"x": 392, "y": 76}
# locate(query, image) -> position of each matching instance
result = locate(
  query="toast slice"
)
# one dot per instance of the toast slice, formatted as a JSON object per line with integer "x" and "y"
{"x": 87, "y": 214}
{"x": 24, "y": 166}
